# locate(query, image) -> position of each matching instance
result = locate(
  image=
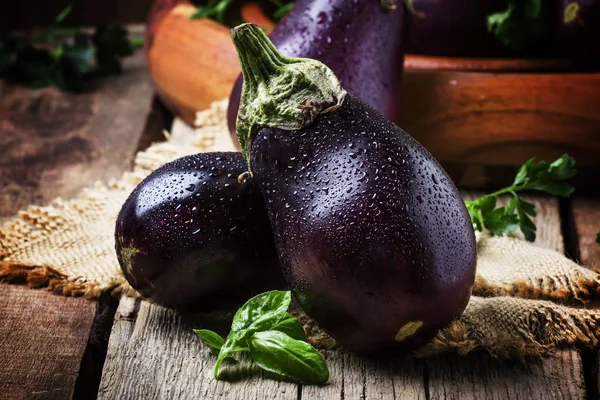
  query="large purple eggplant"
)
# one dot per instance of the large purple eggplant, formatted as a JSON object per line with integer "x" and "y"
{"x": 372, "y": 235}
{"x": 360, "y": 40}
{"x": 578, "y": 29}
{"x": 190, "y": 237}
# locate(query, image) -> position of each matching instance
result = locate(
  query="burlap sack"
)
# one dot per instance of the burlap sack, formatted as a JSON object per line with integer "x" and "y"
{"x": 527, "y": 300}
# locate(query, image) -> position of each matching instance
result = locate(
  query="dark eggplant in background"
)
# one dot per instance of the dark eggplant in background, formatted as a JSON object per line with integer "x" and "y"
{"x": 578, "y": 29}
{"x": 189, "y": 237}
{"x": 372, "y": 235}
{"x": 453, "y": 28}
{"x": 360, "y": 40}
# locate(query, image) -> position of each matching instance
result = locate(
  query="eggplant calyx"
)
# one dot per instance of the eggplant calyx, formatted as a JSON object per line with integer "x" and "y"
{"x": 279, "y": 92}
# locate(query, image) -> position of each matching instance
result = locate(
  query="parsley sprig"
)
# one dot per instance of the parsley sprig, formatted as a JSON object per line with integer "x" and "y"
{"x": 64, "y": 57}
{"x": 523, "y": 24}
{"x": 272, "y": 337}
{"x": 216, "y": 9}
{"x": 533, "y": 175}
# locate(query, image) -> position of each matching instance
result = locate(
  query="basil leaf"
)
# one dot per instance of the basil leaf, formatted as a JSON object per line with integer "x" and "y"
{"x": 280, "y": 354}
{"x": 291, "y": 327}
{"x": 227, "y": 351}
{"x": 262, "y": 311}
{"x": 210, "y": 339}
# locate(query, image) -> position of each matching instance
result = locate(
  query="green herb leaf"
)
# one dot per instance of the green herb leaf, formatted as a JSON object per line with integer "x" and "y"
{"x": 211, "y": 339}
{"x": 62, "y": 56}
{"x": 262, "y": 311}
{"x": 500, "y": 222}
{"x": 214, "y": 9}
{"x": 112, "y": 45}
{"x": 273, "y": 336}
{"x": 282, "y": 9}
{"x": 63, "y": 14}
{"x": 291, "y": 327}
{"x": 227, "y": 351}
{"x": 522, "y": 25}
{"x": 36, "y": 68}
{"x": 541, "y": 176}
{"x": 293, "y": 359}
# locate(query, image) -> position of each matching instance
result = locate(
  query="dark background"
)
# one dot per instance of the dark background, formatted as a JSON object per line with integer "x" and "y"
{"x": 25, "y": 14}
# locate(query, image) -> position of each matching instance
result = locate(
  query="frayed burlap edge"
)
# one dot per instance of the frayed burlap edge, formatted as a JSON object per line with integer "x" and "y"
{"x": 46, "y": 277}
{"x": 560, "y": 289}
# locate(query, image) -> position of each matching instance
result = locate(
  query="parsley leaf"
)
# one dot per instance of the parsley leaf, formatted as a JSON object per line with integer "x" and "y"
{"x": 214, "y": 9}
{"x": 64, "y": 57}
{"x": 522, "y": 25}
{"x": 533, "y": 175}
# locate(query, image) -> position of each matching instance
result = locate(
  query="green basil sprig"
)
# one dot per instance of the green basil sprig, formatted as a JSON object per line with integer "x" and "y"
{"x": 273, "y": 338}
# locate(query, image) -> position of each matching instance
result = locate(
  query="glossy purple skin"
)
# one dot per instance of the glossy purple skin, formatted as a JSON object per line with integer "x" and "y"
{"x": 358, "y": 39}
{"x": 454, "y": 28}
{"x": 579, "y": 38}
{"x": 370, "y": 230}
{"x": 202, "y": 242}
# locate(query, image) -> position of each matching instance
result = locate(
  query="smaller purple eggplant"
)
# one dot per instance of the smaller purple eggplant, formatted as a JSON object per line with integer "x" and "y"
{"x": 190, "y": 237}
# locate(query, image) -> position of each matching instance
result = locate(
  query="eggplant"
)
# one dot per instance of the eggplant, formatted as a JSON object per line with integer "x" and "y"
{"x": 189, "y": 237}
{"x": 578, "y": 30}
{"x": 361, "y": 41}
{"x": 453, "y": 28}
{"x": 373, "y": 237}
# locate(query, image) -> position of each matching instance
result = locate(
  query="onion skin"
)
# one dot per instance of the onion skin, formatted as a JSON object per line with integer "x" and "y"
{"x": 192, "y": 63}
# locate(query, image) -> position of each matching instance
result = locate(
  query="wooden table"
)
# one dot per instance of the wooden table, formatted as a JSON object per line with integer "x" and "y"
{"x": 54, "y": 144}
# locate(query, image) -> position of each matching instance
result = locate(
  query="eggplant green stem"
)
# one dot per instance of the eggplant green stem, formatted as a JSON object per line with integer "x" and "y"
{"x": 279, "y": 92}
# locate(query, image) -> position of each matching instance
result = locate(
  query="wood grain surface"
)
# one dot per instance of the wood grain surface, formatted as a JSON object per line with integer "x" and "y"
{"x": 154, "y": 353}
{"x": 54, "y": 144}
{"x": 44, "y": 337}
{"x": 585, "y": 225}
{"x": 481, "y": 126}
{"x": 586, "y": 219}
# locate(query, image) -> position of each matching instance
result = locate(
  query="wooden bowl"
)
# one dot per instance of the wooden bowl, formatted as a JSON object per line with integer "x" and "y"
{"x": 484, "y": 118}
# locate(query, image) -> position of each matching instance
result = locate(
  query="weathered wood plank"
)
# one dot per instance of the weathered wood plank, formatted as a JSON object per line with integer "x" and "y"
{"x": 43, "y": 339}
{"x": 153, "y": 353}
{"x": 354, "y": 377}
{"x": 585, "y": 212}
{"x": 480, "y": 376}
{"x": 54, "y": 144}
{"x": 586, "y": 218}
